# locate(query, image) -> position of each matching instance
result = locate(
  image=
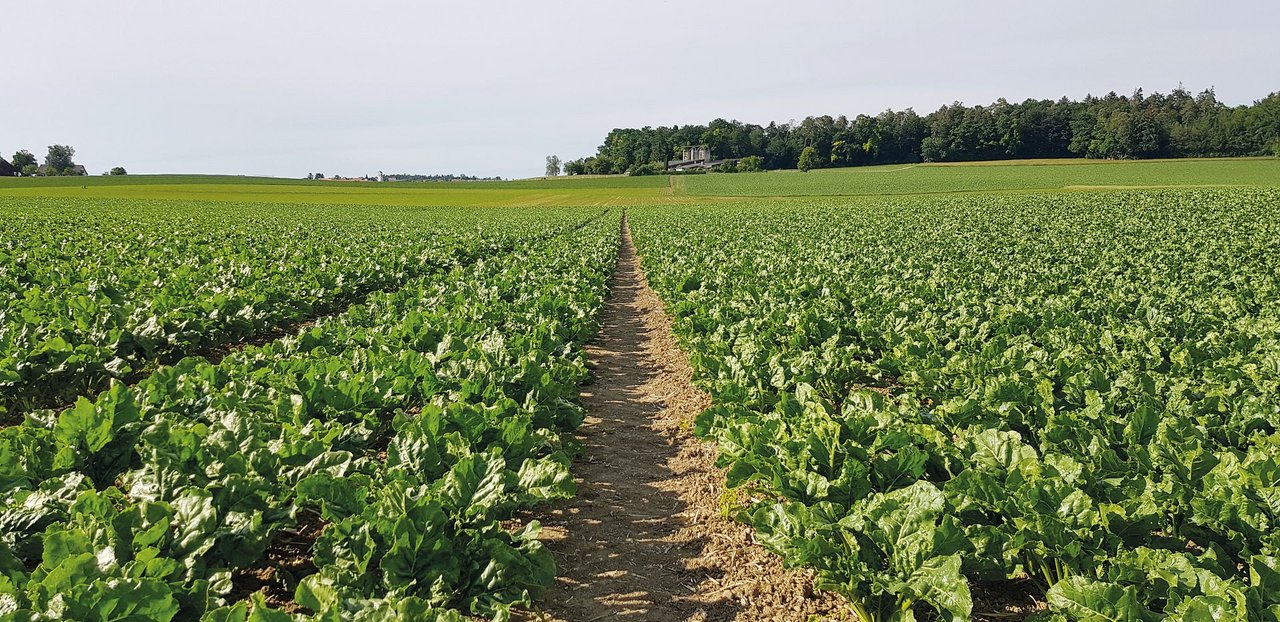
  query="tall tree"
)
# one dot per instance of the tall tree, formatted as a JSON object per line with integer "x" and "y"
{"x": 22, "y": 158}
{"x": 60, "y": 157}
{"x": 808, "y": 158}
{"x": 553, "y": 166}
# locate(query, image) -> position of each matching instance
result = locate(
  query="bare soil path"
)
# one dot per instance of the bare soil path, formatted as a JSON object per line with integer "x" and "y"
{"x": 645, "y": 539}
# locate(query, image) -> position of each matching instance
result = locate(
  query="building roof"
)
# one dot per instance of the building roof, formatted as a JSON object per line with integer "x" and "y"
{"x": 7, "y": 169}
{"x": 44, "y": 168}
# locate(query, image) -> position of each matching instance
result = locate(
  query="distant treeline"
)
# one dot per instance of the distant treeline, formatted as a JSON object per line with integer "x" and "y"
{"x": 1115, "y": 126}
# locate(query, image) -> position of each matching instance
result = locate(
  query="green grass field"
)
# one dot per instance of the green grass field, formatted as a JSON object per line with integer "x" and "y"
{"x": 988, "y": 176}
{"x": 423, "y": 195}
{"x": 587, "y": 191}
{"x": 535, "y": 183}
{"x": 1024, "y": 175}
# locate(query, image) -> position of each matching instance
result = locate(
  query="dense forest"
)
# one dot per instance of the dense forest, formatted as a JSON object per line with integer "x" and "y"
{"x": 1114, "y": 126}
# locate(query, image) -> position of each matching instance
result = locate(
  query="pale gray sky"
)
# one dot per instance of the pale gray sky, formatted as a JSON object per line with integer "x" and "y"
{"x": 287, "y": 87}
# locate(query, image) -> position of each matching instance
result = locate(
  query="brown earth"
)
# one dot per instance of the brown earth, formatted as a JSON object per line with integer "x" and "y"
{"x": 645, "y": 538}
{"x": 286, "y": 561}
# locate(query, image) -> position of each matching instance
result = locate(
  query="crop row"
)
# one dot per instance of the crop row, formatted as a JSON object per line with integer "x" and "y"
{"x": 1074, "y": 395}
{"x": 96, "y": 290}
{"x": 383, "y": 445}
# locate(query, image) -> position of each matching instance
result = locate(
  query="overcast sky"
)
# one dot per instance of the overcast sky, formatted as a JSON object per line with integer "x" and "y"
{"x": 288, "y": 87}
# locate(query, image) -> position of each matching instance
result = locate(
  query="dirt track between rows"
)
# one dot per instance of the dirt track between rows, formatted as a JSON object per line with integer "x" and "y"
{"x": 645, "y": 538}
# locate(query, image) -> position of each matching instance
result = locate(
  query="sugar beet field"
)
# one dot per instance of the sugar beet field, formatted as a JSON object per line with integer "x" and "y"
{"x": 637, "y": 399}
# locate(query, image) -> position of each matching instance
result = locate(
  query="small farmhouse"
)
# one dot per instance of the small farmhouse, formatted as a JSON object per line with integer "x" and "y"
{"x": 696, "y": 157}
{"x": 7, "y": 169}
{"x": 77, "y": 169}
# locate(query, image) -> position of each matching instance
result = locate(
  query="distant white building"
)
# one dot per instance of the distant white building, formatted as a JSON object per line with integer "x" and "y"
{"x": 695, "y": 157}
